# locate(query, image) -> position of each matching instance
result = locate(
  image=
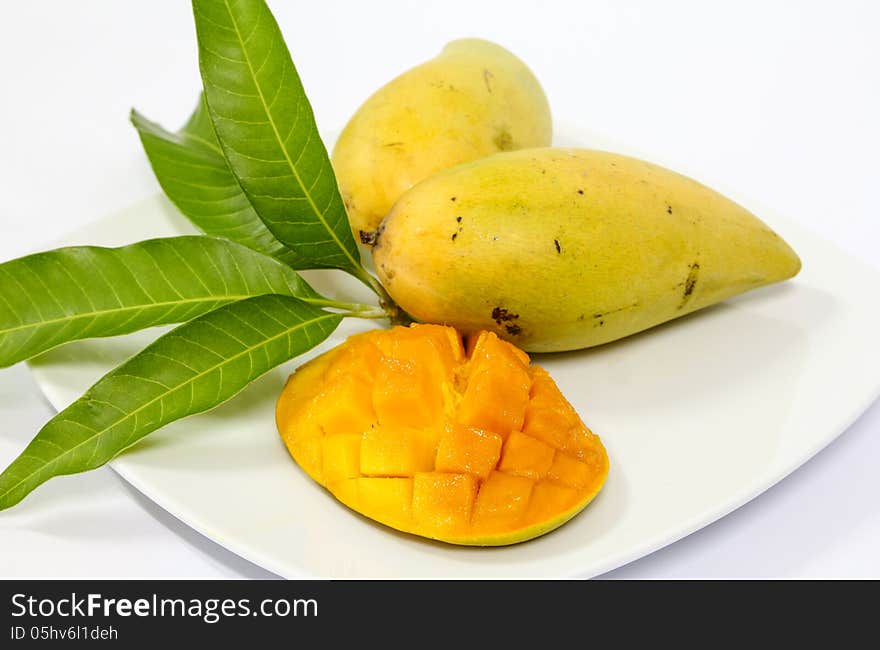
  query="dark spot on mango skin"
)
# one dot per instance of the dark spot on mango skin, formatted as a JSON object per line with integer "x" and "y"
{"x": 368, "y": 237}
{"x": 452, "y": 199}
{"x": 457, "y": 232}
{"x": 513, "y": 329}
{"x": 389, "y": 273}
{"x": 602, "y": 314}
{"x": 501, "y": 315}
{"x": 668, "y": 209}
{"x": 580, "y": 192}
{"x": 503, "y": 140}
{"x": 393, "y": 144}
{"x": 690, "y": 282}
{"x": 558, "y": 247}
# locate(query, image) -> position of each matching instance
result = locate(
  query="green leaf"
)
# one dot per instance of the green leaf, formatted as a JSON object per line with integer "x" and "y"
{"x": 193, "y": 173}
{"x": 199, "y": 128}
{"x": 191, "y": 369}
{"x": 268, "y": 134}
{"x": 67, "y": 294}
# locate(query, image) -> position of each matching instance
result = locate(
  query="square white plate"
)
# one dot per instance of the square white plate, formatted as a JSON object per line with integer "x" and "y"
{"x": 698, "y": 415}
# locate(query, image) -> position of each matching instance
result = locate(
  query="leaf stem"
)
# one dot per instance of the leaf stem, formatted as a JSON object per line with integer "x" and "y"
{"x": 374, "y": 313}
{"x": 354, "y": 309}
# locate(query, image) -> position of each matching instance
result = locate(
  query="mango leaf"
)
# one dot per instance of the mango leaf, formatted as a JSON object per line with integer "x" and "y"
{"x": 199, "y": 129}
{"x": 191, "y": 369}
{"x": 67, "y": 294}
{"x": 268, "y": 134}
{"x": 193, "y": 173}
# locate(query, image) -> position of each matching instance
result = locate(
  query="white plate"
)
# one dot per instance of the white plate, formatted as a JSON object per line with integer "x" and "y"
{"x": 698, "y": 416}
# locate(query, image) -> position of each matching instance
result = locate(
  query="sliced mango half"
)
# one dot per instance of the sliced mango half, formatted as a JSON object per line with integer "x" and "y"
{"x": 468, "y": 445}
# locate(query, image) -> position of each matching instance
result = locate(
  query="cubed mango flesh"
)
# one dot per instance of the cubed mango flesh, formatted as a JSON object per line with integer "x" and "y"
{"x": 502, "y": 498}
{"x": 341, "y": 457}
{"x": 385, "y": 499}
{"x": 396, "y": 451}
{"x": 498, "y": 384}
{"x": 442, "y": 503}
{"x": 468, "y": 445}
{"x": 406, "y": 394}
{"x": 358, "y": 414}
{"x": 526, "y": 456}
{"x": 463, "y": 449}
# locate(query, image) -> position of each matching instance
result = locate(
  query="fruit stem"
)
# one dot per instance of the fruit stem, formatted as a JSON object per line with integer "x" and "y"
{"x": 395, "y": 315}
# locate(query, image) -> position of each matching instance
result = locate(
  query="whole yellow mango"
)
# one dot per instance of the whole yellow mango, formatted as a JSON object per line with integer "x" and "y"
{"x": 559, "y": 249}
{"x": 474, "y": 99}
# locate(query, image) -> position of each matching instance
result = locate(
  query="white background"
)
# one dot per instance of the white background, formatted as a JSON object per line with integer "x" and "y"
{"x": 779, "y": 100}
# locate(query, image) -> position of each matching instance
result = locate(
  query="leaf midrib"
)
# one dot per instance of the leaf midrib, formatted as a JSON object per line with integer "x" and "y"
{"x": 188, "y": 382}
{"x": 120, "y": 310}
{"x": 281, "y": 142}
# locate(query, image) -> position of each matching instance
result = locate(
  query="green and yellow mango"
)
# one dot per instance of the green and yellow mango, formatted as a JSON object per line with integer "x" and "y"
{"x": 558, "y": 249}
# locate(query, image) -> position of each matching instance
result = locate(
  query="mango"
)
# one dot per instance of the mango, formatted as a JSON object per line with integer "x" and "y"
{"x": 559, "y": 249}
{"x": 462, "y": 468}
{"x": 474, "y": 99}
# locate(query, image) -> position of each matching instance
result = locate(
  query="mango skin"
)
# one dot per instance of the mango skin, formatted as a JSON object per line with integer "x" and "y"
{"x": 560, "y": 249}
{"x": 474, "y": 99}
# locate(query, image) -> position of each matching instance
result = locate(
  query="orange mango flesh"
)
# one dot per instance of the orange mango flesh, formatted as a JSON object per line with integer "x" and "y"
{"x": 472, "y": 446}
